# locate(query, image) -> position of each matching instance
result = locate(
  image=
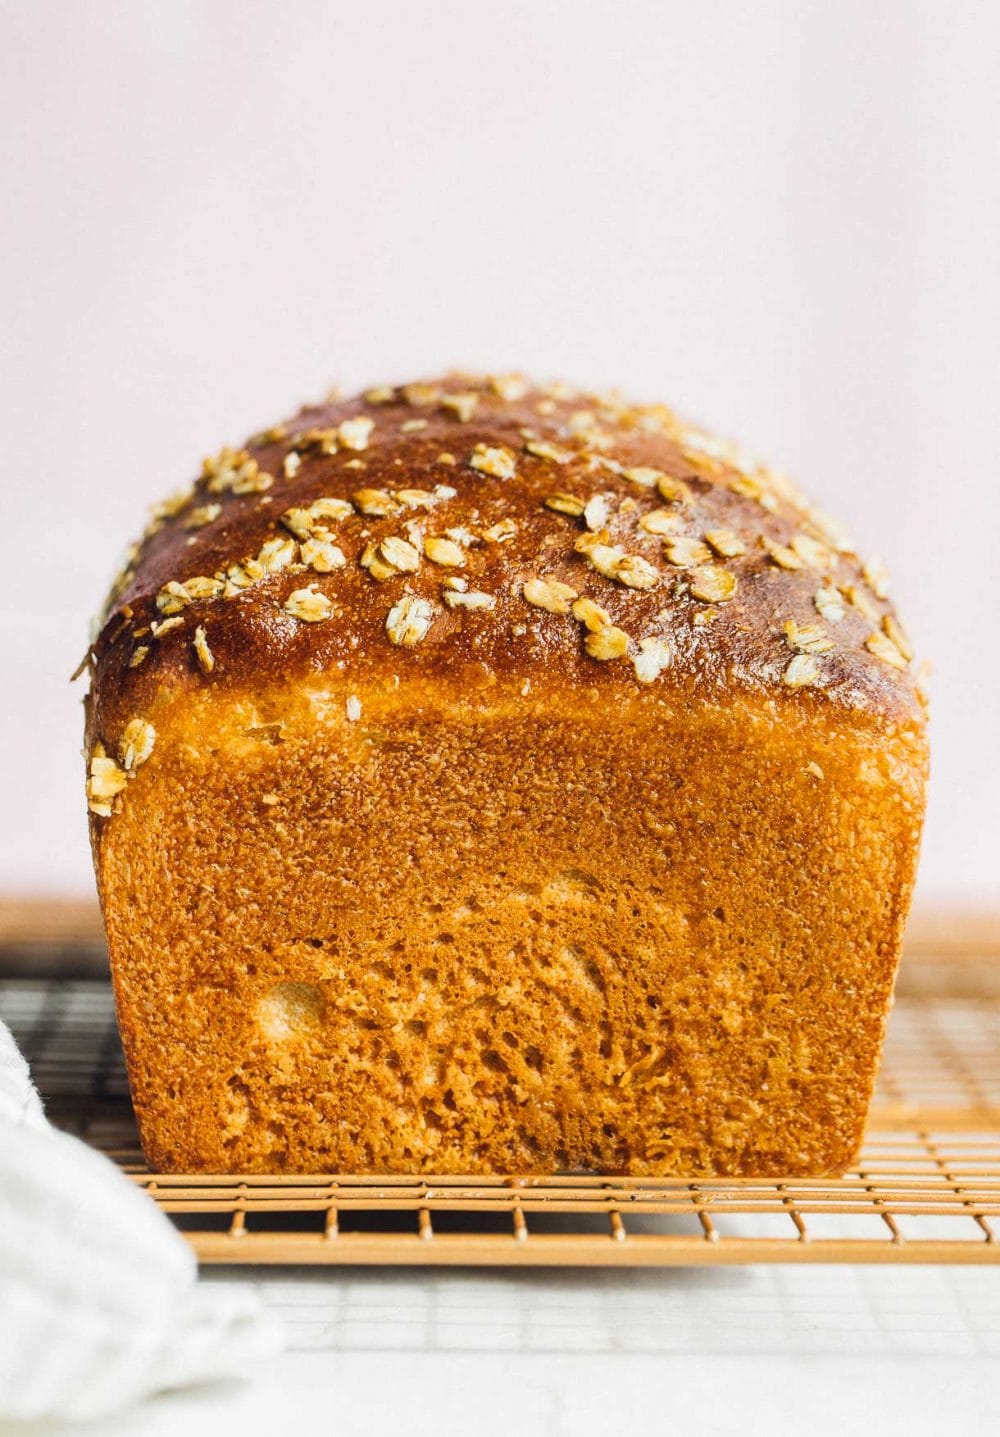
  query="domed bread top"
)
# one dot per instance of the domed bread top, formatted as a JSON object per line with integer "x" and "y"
{"x": 469, "y": 533}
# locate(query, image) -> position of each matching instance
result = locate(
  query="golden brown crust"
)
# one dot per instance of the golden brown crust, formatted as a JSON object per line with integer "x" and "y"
{"x": 716, "y": 564}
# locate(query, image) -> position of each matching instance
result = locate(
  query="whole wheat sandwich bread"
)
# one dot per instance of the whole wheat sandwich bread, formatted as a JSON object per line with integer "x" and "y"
{"x": 496, "y": 778}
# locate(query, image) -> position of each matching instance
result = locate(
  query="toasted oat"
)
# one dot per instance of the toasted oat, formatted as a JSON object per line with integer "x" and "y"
{"x": 206, "y": 658}
{"x": 883, "y": 648}
{"x": 353, "y": 708}
{"x": 355, "y": 433}
{"x": 325, "y": 440}
{"x": 379, "y": 394}
{"x": 105, "y": 782}
{"x": 829, "y": 604}
{"x": 445, "y": 552}
{"x": 811, "y": 551}
{"x": 298, "y": 522}
{"x": 421, "y": 395}
{"x": 139, "y": 655}
{"x": 446, "y": 458}
{"x": 704, "y": 617}
{"x": 898, "y": 635}
{"x": 861, "y": 600}
{"x": 781, "y": 554}
{"x": 412, "y": 426}
{"x": 712, "y": 584}
{"x": 308, "y": 605}
{"x": 172, "y": 598}
{"x": 202, "y": 587}
{"x": 607, "y": 643}
{"x": 372, "y": 560}
{"x": 807, "y": 638}
{"x": 204, "y": 514}
{"x": 170, "y": 507}
{"x": 653, "y": 657}
{"x": 803, "y": 669}
{"x": 566, "y": 504}
{"x": 500, "y": 533}
{"x": 640, "y": 474}
{"x": 725, "y": 543}
{"x": 474, "y": 599}
{"x": 463, "y": 405}
{"x": 327, "y": 508}
{"x": 400, "y": 554}
{"x": 275, "y": 554}
{"x": 687, "y": 553}
{"x": 544, "y": 449}
{"x": 660, "y": 521}
{"x": 462, "y": 536}
{"x": 591, "y": 615}
{"x": 813, "y": 767}
{"x": 748, "y": 487}
{"x": 322, "y": 556}
{"x": 292, "y": 464}
{"x": 416, "y": 498}
{"x": 236, "y": 471}
{"x": 635, "y": 572}
{"x": 493, "y": 459}
{"x": 549, "y": 594}
{"x": 596, "y": 511}
{"x": 628, "y": 569}
{"x": 158, "y": 629}
{"x": 409, "y": 620}
{"x": 136, "y": 744}
{"x": 876, "y": 575}
{"x": 508, "y": 386}
{"x": 375, "y": 503}
{"x": 675, "y": 491}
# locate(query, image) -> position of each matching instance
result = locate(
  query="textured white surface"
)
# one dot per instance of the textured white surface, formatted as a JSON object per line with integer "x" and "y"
{"x": 784, "y": 218}
{"x": 771, "y": 1350}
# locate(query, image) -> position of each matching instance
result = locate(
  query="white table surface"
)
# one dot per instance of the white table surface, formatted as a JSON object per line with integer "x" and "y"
{"x": 740, "y": 1350}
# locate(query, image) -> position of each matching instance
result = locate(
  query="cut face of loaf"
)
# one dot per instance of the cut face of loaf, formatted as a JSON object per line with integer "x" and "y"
{"x": 497, "y": 936}
{"x": 518, "y": 820}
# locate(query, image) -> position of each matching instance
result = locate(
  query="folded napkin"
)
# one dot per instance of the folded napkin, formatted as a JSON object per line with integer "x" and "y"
{"x": 99, "y": 1302}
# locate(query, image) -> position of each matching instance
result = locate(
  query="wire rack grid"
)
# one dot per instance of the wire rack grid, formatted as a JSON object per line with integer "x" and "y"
{"x": 927, "y": 1188}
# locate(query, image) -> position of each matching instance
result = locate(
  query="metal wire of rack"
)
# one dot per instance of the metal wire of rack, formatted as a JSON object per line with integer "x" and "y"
{"x": 927, "y": 1188}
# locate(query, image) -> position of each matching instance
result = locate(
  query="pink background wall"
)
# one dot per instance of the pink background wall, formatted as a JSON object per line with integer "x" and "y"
{"x": 782, "y": 218}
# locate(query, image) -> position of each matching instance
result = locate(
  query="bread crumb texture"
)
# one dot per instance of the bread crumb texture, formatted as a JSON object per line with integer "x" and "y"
{"x": 493, "y": 777}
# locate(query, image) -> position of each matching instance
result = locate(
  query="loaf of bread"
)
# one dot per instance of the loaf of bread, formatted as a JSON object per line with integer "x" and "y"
{"x": 496, "y": 778}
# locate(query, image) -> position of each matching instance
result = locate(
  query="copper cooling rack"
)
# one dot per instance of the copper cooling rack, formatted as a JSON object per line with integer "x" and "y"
{"x": 927, "y": 1188}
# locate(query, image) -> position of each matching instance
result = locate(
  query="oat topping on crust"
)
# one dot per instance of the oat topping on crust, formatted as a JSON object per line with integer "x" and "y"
{"x": 801, "y": 671}
{"x": 712, "y": 584}
{"x": 136, "y": 744}
{"x": 687, "y": 553}
{"x": 565, "y": 504}
{"x": 607, "y": 643}
{"x": 105, "y": 783}
{"x": 704, "y": 559}
{"x": 493, "y": 459}
{"x": 206, "y": 659}
{"x": 473, "y": 599}
{"x": 883, "y": 648}
{"x": 444, "y": 551}
{"x": 549, "y": 594}
{"x": 408, "y": 620}
{"x": 308, "y": 605}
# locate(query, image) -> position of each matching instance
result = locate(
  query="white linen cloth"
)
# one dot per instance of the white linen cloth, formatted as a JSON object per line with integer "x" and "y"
{"x": 99, "y": 1302}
